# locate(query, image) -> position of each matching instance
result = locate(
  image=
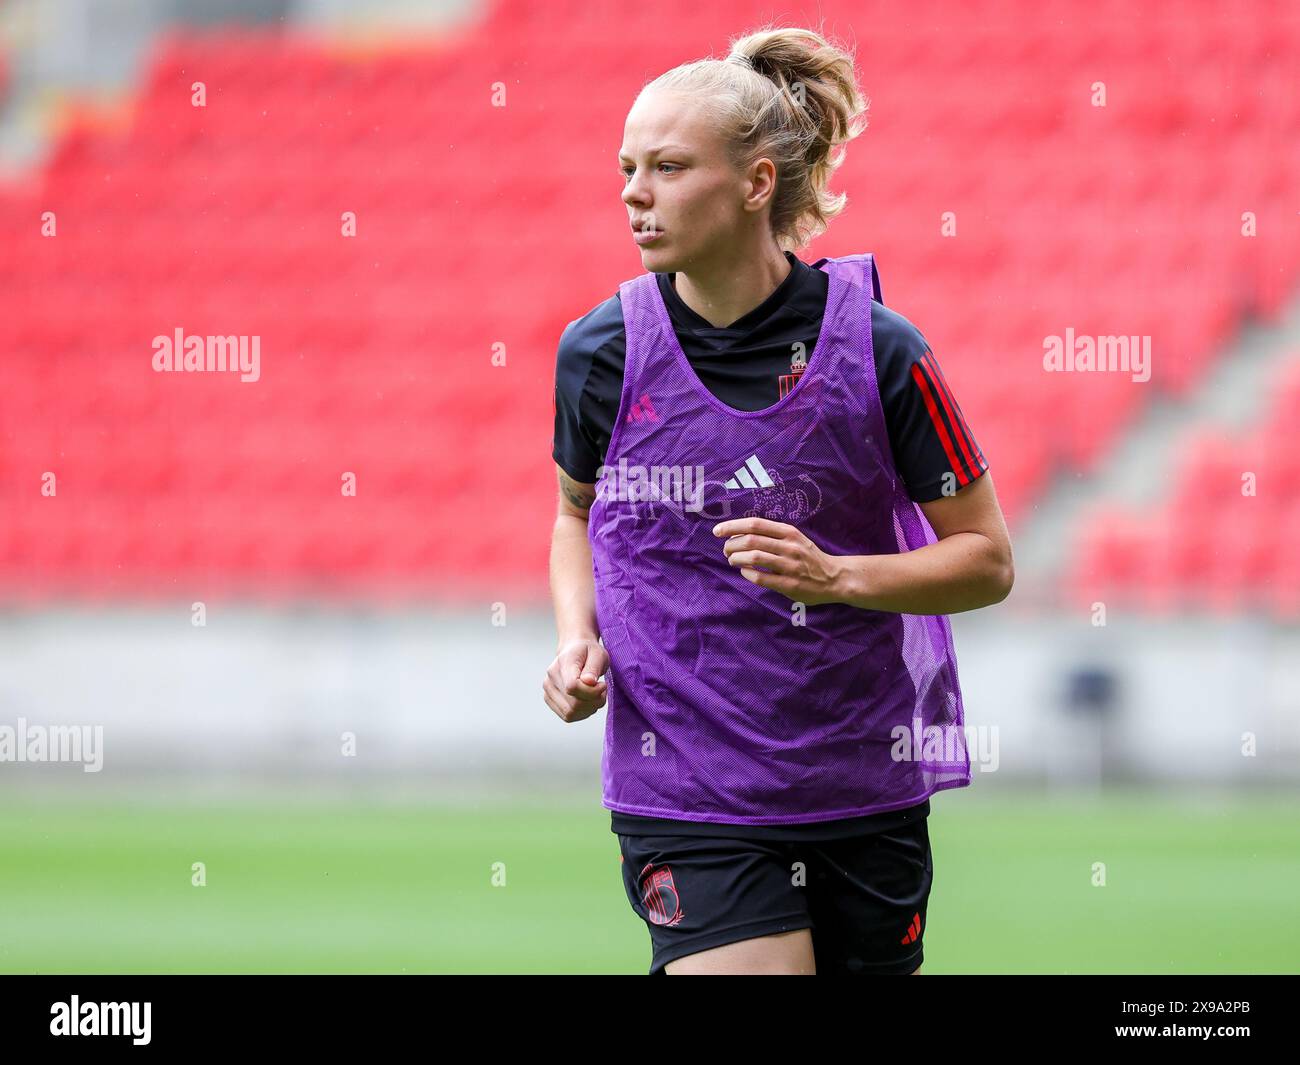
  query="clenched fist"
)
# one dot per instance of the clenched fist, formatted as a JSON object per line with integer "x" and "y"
{"x": 573, "y": 688}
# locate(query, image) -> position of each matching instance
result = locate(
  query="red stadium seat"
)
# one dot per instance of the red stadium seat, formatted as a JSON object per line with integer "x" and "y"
{"x": 473, "y": 230}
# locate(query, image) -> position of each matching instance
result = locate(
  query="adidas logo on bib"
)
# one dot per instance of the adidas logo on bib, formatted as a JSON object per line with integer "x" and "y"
{"x": 743, "y": 479}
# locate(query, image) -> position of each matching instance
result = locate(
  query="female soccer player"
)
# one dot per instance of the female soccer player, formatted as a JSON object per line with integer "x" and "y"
{"x": 769, "y": 501}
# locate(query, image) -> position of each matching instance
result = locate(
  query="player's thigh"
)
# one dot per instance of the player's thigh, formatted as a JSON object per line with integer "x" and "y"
{"x": 780, "y": 954}
{"x": 868, "y": 897}
{"x": 699, "y": 896}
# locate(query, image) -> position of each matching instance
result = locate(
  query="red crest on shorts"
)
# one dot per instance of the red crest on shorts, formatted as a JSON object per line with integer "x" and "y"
{"x": 659, "y": 894}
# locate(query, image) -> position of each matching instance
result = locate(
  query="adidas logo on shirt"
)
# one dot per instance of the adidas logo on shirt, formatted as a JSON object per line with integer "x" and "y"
{"x": 642, "y": 410}
{"x": 742, "y": 479}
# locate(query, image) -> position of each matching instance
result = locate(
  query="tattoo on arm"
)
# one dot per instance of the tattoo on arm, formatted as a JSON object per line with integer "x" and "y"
{"x": 577, "y": 494}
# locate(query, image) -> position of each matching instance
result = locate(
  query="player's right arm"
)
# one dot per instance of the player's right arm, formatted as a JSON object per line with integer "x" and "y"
{"x": 572, "y": 686}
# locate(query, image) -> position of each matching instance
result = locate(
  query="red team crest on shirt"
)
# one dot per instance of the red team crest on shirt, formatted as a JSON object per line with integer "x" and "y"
{"x": 659, "y": 894}
{"x": 785, "y": 383}
{"x": 798, "y": 363}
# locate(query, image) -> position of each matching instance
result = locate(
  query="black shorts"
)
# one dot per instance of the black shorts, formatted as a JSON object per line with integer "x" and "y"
{"x": 864, "y": 898}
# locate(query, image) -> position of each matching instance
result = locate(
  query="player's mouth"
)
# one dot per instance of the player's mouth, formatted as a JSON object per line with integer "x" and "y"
{"x": 645, "y": 236}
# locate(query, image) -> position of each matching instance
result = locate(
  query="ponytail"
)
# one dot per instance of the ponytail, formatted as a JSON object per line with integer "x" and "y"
{"x": 789, "y": 95}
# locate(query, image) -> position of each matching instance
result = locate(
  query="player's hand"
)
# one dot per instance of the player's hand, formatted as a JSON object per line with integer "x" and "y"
{"x": 573, "y": 688}
{"x": 775, "y": 555}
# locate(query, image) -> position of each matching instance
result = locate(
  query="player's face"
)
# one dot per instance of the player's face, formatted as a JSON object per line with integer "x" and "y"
{"x": 682, "y": 192}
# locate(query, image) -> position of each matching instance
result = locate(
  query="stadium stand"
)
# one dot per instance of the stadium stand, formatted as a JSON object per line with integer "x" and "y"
{"x": 1227, "y": 540}
{"x": 479, "y": 226}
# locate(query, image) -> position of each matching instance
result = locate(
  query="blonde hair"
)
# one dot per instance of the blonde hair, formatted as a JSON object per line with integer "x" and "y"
{"x": 791, "y": 96}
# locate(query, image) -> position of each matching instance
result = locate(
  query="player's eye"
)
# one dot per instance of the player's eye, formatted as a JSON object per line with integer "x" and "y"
{"x": 627, "y": 171}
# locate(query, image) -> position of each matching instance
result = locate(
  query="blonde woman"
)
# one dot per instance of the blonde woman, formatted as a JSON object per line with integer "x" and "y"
{"x": 769, "y": 503}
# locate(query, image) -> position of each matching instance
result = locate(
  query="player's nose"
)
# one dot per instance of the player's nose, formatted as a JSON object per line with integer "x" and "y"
{"x": 634, "y": 193}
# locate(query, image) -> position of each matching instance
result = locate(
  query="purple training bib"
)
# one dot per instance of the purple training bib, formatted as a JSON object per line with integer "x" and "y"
{"x": 726, "y": 701}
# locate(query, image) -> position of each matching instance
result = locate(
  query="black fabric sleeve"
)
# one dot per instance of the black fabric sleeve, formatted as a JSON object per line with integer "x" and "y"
{"x": 570, "y": 447}
{"x": 588, "y": 383}
{"x": 934, "y": 449}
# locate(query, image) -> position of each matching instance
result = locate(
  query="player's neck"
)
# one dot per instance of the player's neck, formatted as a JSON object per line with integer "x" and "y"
{"x": 722, "y": 295}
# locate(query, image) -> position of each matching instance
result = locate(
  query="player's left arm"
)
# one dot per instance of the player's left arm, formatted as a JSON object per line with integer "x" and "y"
{"x": 947, "y": 476}
{"x": 968, "y": 567}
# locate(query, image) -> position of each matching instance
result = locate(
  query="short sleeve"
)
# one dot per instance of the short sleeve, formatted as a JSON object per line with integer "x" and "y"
{"x": 935, "y": 451}
{"x": 573, "y": 447}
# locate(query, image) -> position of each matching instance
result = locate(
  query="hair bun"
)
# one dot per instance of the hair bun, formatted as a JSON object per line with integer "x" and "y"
{"x": 760, "y": 63}
{"x": 800, "y": 113}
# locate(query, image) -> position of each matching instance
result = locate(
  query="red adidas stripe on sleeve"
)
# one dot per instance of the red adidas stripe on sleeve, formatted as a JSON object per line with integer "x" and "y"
{"x": 964, "y": 455}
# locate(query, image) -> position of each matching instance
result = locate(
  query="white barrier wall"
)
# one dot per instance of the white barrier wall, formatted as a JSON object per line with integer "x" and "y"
{"x": 259, "y": 693}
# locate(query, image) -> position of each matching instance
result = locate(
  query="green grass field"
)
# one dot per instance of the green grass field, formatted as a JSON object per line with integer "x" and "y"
{"x": 303, "y": 888}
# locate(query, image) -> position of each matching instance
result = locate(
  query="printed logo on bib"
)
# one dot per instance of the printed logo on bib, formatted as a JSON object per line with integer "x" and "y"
{"x": 771, "y": 497}
{"x": 791, "y": 503}
{"x": 751, "y": 475}
{"x": 752, "y": 490}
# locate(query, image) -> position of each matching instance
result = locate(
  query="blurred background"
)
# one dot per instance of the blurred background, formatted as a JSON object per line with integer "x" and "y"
{"x": 307, "y": 614}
